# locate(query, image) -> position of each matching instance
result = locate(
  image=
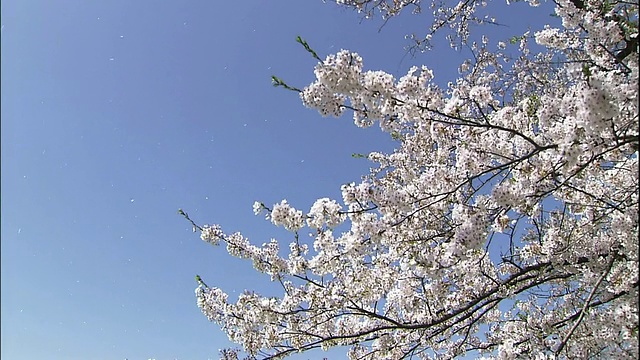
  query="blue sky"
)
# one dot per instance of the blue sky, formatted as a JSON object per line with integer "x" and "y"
{"x": 117, "y": 113}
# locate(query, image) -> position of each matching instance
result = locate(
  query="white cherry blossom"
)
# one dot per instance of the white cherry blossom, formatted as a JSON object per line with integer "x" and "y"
{"x": 504, "y": 225}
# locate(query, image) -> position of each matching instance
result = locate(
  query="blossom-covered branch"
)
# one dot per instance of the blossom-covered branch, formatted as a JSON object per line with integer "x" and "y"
{"x": 505, "y": 224}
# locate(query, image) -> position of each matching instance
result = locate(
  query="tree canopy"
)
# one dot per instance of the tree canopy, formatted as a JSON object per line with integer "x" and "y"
{"x": 504, "y": 225}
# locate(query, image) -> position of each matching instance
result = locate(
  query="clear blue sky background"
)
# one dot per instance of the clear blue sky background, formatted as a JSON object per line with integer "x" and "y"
{"x": 117, "y": 113}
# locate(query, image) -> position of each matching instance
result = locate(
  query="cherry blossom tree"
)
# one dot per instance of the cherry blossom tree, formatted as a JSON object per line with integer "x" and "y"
{"x": 504, "y": 225}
